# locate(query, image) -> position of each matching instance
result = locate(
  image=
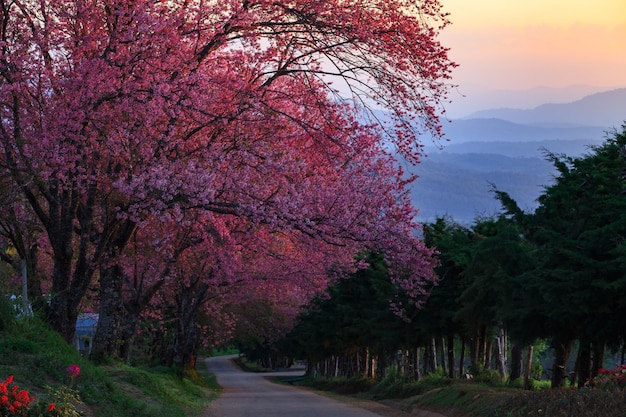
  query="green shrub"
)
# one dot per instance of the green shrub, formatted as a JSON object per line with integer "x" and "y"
{"x": 7, "y": 314}
{"x": 489, "y": 377}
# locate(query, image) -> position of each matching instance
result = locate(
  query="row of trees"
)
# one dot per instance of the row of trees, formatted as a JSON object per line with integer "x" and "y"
{"x": 161, "y": 161}
{"x": 556, "y": 274}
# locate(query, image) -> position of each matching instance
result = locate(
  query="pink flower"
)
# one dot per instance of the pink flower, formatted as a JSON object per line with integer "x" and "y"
{"x": 73, "y": 370}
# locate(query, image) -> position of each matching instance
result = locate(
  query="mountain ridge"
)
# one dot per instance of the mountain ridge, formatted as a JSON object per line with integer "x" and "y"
{"x": 605, "y": 109}
{"x": 507, "y": 148}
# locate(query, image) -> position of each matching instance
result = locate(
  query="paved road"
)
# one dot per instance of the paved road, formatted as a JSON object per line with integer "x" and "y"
{"x": 248, "y": 394}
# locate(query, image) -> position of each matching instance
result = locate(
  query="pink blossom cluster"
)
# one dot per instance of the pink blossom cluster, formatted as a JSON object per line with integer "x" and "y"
{"x": 73, "y": 370}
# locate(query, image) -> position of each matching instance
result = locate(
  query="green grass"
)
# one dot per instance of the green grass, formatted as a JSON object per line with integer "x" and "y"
{"x": 485, "y": 398}
{"x": 38, "y": 358}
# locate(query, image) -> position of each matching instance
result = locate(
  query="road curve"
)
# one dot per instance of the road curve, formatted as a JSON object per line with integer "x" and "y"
{"x": 248, "y": 394}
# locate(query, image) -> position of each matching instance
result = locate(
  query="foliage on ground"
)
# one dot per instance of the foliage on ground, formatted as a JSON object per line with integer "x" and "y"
{"x": 38, "y": 357}
{"x": 461, "y": 398}
{"x": 586, "y": 402}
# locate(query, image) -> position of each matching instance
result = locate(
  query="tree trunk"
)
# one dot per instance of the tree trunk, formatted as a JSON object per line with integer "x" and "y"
{"x": 430, "y": 357}
{"x": 442, "y": 357}
{"x": 562, "y": 350}
{"x": 184, "y": 350}
{"x": 62, "y": 317}
{"x": 529, "y": 368}
{"x": 516, "y": 362}
{"x": 474, "y": 353}
{"x": 128, "y": 332}
{"x": 111, "y": 312}
{"x": 501, "y": 347}
{"x": 451, "y": 358}
{"x": 598, "y": 358}
{"x": 488, "y": 354}
{"x": 583, "y": 363}
{"x": 133, "y": 308}
{"x": 415, "y": 359}
{"x": 462, "y": 358}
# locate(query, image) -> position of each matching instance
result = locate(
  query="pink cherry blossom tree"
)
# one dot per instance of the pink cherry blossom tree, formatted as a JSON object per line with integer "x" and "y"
{"x": 114, "y": 113}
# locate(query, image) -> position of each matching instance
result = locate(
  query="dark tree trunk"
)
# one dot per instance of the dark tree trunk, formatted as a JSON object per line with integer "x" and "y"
{"x": 451, "y": 358}
{"x": 529, "y": 367}
{"x": 133, "y": 307}
{"x": 473, "y": 343}
{"x": 562, "y": 350}
{"x": 105, "y": 341}
{"x": 501, "y": 352}
{"x": 489, "y": 348}
{"x": 430, "y": 357}
{"x": 74, "y": 261}
{"x": 441, "y": 348}
{"x": 112, "y": 312}
{"x": 516, "y": 362}
{"x": 127, "y": 336}
{"x": 598, "y": 358}
{"x": 415, "y": 359}
{"x": 462, "y": 358}
{"x": 583, "y": 363}
{"x": 61, "y": 316}
{"x": 184, "y": 350}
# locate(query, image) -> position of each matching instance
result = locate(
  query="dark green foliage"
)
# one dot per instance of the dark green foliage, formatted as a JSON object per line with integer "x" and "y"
{"x": 576, "y": 289}
{"x": 7, "y": 313}
{"x": 453, "y": 242}
{"x": 355, "y": 315}
{"x": 564, "y": 403}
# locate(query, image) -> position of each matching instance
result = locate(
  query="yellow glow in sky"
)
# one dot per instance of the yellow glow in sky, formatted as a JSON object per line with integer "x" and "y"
{"x": 512, "y": 13}
{"x": 522, "y": 44}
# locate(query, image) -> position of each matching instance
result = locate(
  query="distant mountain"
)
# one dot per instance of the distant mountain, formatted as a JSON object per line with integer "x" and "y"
{"x": 498, "y": 130}
{"x": 606, "y": 109}
{"x": 459, "y": 185}
{"x": 506, "y": 148}
{"x": 533, "y": 148}
{"x": 469, "y": 98}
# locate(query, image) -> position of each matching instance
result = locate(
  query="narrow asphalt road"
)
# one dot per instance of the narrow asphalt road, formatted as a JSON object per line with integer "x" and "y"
{"x": 248, "y": 394}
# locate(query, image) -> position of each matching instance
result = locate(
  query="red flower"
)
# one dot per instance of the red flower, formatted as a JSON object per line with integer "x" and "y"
{"x": 52, "y": 407}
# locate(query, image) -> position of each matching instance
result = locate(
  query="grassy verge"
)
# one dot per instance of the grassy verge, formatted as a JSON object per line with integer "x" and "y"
{"x": 38, "y": 360}
{"x": 461, "y": 398}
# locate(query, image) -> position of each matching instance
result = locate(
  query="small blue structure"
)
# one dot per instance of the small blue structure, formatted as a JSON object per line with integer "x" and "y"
{"x": 85, "y": 331}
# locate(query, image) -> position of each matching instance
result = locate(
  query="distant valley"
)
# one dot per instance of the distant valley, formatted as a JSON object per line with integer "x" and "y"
{"x": 506, "y": 148}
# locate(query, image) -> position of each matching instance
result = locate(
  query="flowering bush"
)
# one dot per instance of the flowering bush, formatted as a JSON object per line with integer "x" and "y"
{"x": 60, "y": 402}
{"x": 73, "y": 370}
{"x": 13, "y": 401}
{"x": 609, "y": 378}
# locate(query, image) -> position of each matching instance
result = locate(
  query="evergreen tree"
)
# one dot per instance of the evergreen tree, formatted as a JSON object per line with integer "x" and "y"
{"x": 579, "y": 229}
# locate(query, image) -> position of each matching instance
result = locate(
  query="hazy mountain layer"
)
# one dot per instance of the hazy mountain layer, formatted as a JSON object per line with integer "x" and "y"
{"x": 506, "y": 148}
{"x": 606, "y": 109}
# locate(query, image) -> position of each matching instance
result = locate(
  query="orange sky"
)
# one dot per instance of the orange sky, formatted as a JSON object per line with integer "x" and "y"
{"x": 521, "y": 44}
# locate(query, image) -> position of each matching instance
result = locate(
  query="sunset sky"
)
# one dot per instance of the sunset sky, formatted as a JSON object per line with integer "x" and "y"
{"x": 524, "y": 44}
